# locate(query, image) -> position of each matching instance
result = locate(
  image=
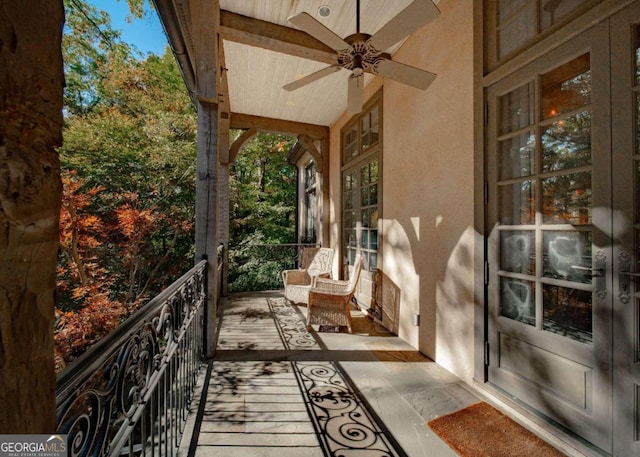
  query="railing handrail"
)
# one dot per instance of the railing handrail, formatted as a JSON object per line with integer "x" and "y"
{"x": 279, "y": 244}
{"x": 96, "y": 355}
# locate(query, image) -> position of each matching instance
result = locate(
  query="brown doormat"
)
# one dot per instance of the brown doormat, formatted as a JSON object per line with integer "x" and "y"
{"x": 480, "y": 430}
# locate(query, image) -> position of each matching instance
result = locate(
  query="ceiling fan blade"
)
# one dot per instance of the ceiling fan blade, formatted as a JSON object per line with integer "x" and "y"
{"x": 355, "y": 94}
{"x": 316, "y": 29}
{"x": 311, "y": 78}
{"x": 413, "y": 17}
{"x": 405, "y": 74}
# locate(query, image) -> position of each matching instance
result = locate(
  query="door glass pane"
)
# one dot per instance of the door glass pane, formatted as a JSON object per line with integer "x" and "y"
{"x": 373, "y": 261}
{"x": 516, "y": 156}
{"x": 373, "y": 194}
{"x": 567, "y": 199}
{"x": 374, "y": 171}
{"x": 517, "y": 203}
{"x": 351, "y": 256}
{"x": 516, "y": 109}
{"x": 366, "y": 218}
{"x": 636, "y": 43}
{"x": 365, "y": 196}
{"x": 364, "y": 242}
{"x": 373, "y": 239}
{"x": 517, "y": 251}
{"x": 349, "y": 181}
{"x": 567, "y": 87}
{"x": 568, "y": 312}
{"x": 636, "y": 186}
{"x": 634, "y": 286}
{"x": 351, "y": 236}
{"x": 567, "y": 143}
{"x": 637, "y": 122}
{"x": 365, "y": 175}
{"x": 567, "y": 255}
{"x": 517, "y": 300}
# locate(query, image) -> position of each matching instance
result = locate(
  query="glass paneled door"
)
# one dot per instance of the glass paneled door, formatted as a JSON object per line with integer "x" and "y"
{"x": 549, "y": 246}
{"x": 361, "y": 188}
{"x": 625, "y": 65}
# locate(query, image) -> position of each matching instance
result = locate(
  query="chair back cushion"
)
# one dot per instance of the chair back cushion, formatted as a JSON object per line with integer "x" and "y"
{"x": 317, "y": 261}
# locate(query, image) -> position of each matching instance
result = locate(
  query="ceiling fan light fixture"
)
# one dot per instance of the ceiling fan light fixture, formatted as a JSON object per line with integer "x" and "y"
{"x": 324, "y": 11}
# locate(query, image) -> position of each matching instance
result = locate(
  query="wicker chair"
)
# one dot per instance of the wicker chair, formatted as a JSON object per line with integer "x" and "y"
{"x": 329, "y": 300}
{"x": 315, "y": 262}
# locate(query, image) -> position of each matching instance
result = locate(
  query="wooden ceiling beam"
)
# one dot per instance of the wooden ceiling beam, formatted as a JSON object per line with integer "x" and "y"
{"x": 307, "y": 144}
{"x": 267, "y": 35}
{"x": 266, "y": 124}
{"x": 240, "y": 142}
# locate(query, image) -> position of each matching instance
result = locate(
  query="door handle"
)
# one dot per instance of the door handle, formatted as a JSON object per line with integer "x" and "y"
{"x": 625, "y": 276}
{"x": 598, "y": 272}
{"x": 594, "y": 272}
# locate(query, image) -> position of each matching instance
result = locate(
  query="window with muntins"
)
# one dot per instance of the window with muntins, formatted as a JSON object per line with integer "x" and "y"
{"x": 361, "y": 182}
{"x": 310, "y": 203}
{"x": 514, "y": 25}
{"x": 544, "y": 190}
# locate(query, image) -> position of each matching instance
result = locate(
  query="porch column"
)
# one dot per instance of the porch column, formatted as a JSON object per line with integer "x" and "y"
{"x": 31, "y": 81}
{"x": 325, "y": 201}
{"x": 223, "y": 170}
{"x": 223, "y": 202}
{"x": 205, "y": 18}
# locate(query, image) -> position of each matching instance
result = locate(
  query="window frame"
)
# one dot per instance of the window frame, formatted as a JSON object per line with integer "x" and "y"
{"x": 366, "y": 153}
{"x": 492, "y": 25}
{"x": 310, "y": 194}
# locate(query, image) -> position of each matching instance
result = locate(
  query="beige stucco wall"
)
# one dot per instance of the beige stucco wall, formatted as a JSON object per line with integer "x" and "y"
{"x": 427, "y": 202}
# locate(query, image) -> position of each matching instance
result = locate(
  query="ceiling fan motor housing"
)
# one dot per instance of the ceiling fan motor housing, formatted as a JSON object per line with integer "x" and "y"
{"x": 359, "y": 56}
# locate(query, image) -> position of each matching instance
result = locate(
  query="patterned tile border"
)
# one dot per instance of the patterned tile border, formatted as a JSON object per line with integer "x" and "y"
{"x": 291, "y": 326}
{"x": 345, "y": 425}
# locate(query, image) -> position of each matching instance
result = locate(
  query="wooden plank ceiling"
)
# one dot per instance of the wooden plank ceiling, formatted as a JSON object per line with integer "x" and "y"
{"x": 263, "y": 52}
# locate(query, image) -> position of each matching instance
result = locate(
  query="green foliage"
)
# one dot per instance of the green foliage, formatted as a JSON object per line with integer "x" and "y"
{"x": 130, "y": 131}
{"x": 263, "y": 192}
{"x": 256, "y": 274}
{"x": 129, "y": 164}
{"x": 88, "y": 44}
{"x": 262, "y": 212}
{"x": 140, "y": 141}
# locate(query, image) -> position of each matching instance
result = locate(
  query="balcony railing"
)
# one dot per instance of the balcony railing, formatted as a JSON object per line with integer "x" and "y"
{"x": 130, "y": 393}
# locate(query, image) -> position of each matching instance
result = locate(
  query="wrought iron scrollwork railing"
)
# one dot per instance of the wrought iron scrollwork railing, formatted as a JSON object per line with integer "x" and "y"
{"x": 130, "y": 393}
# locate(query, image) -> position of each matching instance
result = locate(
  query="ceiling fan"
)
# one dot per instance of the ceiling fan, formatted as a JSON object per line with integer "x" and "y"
{"x": 362, "y": 52}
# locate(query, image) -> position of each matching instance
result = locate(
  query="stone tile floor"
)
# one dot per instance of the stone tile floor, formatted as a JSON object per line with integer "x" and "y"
{"x": 275, "y": 389}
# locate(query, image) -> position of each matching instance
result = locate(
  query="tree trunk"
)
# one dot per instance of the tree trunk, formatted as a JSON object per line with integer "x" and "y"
{"x": 31, "y": 82}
